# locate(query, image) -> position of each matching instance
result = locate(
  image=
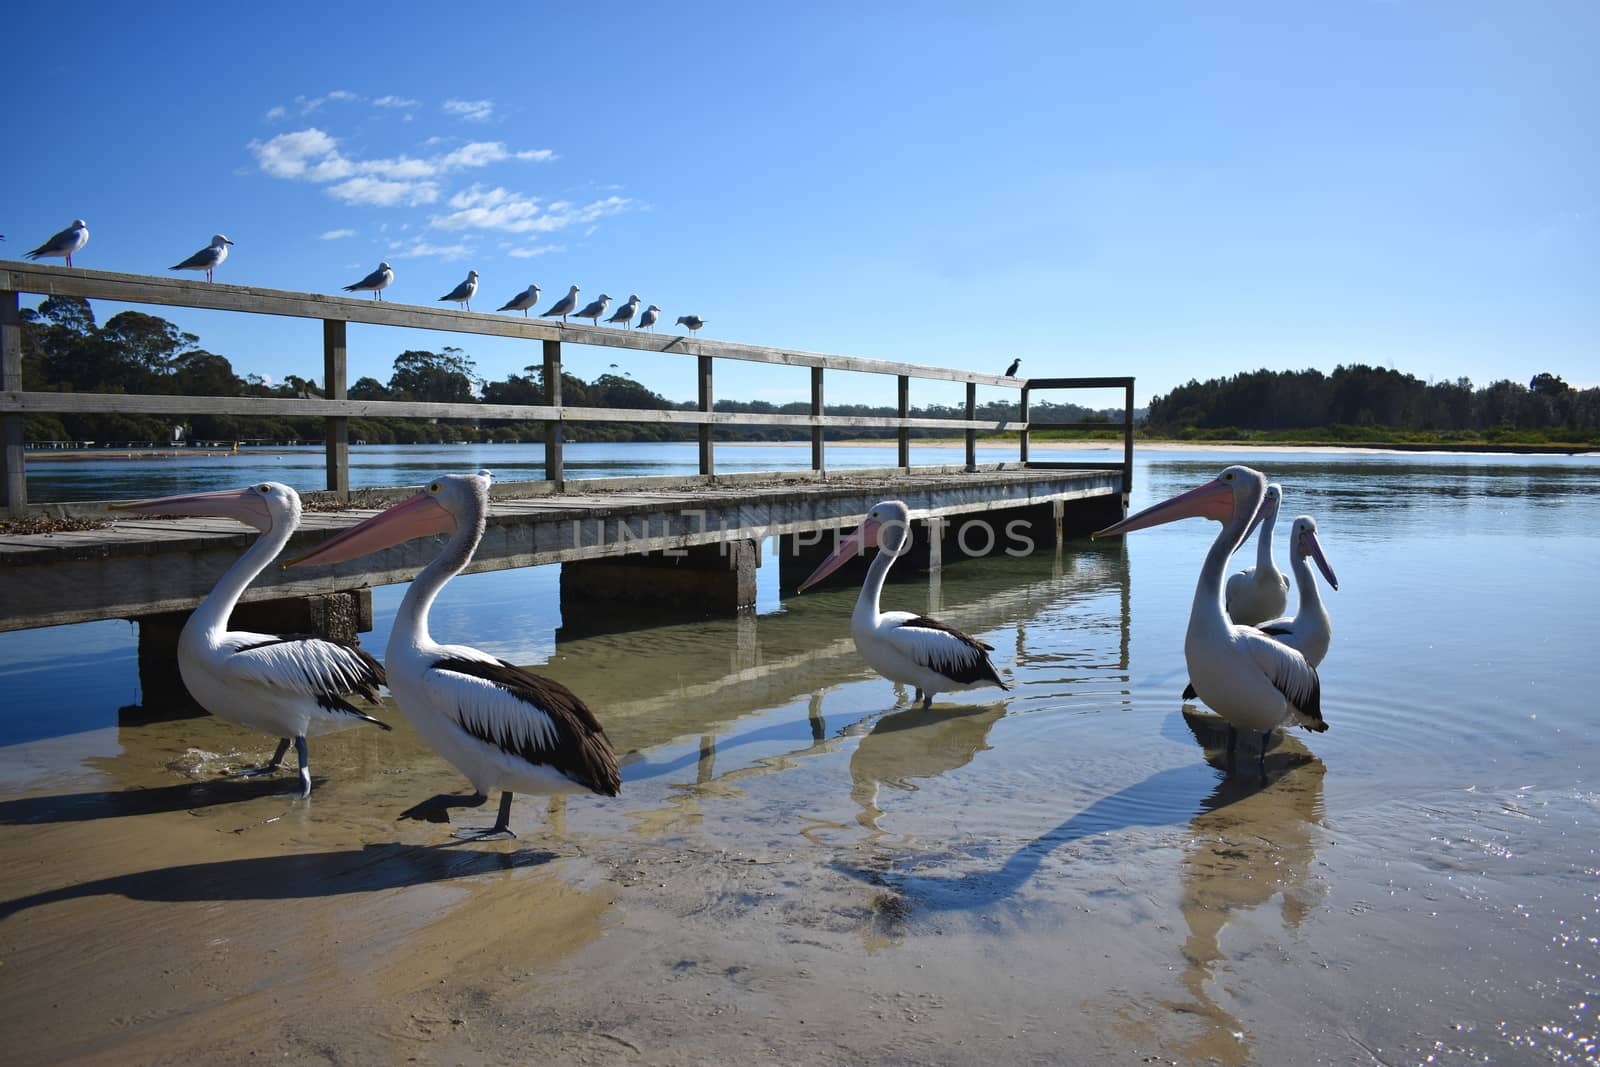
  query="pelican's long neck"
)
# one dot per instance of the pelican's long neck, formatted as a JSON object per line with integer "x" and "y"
{"x": 1207, "y": 608}
{"x": 1264, "y": 544}
{"x": 211, "y": 617}
{"x": 411, "y": 622}
{"x": 1310, "y": 595}
{"x": 867, "y": 603}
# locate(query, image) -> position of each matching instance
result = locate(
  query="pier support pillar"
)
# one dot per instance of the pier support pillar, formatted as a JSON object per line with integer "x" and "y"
{"x": 338, "y": 616}
{"x": 718, "y": 579}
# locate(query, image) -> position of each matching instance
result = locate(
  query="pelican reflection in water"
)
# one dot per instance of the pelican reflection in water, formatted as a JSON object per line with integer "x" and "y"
{"x": 913, "y": 744}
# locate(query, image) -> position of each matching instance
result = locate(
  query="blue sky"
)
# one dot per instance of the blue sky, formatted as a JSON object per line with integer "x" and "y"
{"x": 1170, "y": 190}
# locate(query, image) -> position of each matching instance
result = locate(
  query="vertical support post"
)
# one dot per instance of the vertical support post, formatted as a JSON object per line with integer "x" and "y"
{"x": 904, "y": 457}
{"x": 1023, "y": 454}
{"x": 708, "y": 460}
{"x": 818, "y": 457}
{"x": 335, "y": 387}
{"x": 14, "y": 476}
{"x": 972, "y": 435}
{"x": 1127, "y": 442}
{"x": 553, "y": 428}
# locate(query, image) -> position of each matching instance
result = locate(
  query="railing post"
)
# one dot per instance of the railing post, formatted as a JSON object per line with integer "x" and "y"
{"x": 1023, "y": 412}
{"x": 972, "y": 435}
{"x": 708, "y": 462}
{"x": 818, "y": 457}
{"x": 15, "y": 475}
{"x": 553, "y": 429}
{"x": 1127, "y": 442}
{"x": 905, "y": 413}
{"x": 335, "y": 387}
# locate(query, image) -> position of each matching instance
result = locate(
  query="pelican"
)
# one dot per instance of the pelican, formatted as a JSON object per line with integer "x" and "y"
{"x": 522, "y": 301}
{"x": 624, "y": 314}
{"x": 462, "y": 294}
{"x": 1259, "y": 593}
{"x": 68, "y": 241}
{"x": 290, "y": 687}
{"x": 503, "y": 727}
{"x": 208, "y": 258}
{"x": 595, "y": 308}
{"x": 374, "y": 283}
{"x": 564, "y": 306}
{"x": 1310, "y": 631}
{"x": 910, "y": 649}
{"x": 1251, "y": 680}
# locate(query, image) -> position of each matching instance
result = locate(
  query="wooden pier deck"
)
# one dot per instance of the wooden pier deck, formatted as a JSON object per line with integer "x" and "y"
{"x": 141, "y": 566}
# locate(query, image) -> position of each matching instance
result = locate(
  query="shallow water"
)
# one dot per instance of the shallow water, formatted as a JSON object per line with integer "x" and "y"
{"x": 803, "y": 864}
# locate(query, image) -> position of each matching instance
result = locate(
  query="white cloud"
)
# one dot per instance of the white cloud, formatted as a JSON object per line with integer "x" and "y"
{"x": 396, "y": 102}
{"x": 309, "y": 155}
{"x": 381, "y": 193}
{"x": 471, "y": 110}
{"x": 342, "y": 94}
{"x": 478, "y": 208}
{"x": 537, "y": 155}
{"x": 276, "y": 113}
{"x": 334, "y": 235}
{"x": 534, "y": 250}
{"x": 418, "y": 249}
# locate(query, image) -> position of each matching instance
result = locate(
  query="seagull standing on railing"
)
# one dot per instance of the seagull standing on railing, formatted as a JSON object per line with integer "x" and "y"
{"x": 462, "y": 294}
{"x": 522, "y": 301}
{"x": 564, "y": 306}
{"x": 595, "y": 308}
{"x": 624, "y": 313}
{"x": 374, "y": 283}
{"x": 647, "y": 321}
{"x": 208, "y": 258}
{"x": 694, "y": 322}
{"x": 68, "y": 241}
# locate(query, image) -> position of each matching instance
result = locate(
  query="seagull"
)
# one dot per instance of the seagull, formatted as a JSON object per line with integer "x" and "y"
{"x": 208, "y": 258}
{"x": 595, "y": 308}
{"x": 290, "y": 687}
{"x": 564, "y": 306}
{"x": 522, "y": 301}
{"x": 502, "y": 726}
{"x": 694, "y": 322}
{"x": 648, "y": 319}
{"x": 624, "y": 313}
{"x": 462, "y": 294}
{"x": 375, "y": 283}
{"x": 1011, "y": 371}
{"x": 68, "y": 241}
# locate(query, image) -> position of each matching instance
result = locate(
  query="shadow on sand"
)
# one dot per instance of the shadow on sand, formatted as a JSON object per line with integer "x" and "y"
{"x": 1166, "y": 798}
{"x": 296, "y": 876}
{"x": 110, "y": 804}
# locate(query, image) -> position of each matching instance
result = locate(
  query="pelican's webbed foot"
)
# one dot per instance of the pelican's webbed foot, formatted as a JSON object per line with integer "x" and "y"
{"x": 500, "y": 831}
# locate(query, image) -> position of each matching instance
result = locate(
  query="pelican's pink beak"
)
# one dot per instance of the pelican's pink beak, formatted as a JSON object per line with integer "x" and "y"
{"x": 865, "y": 534}
{"x": 1214, "y": 500}
{"x": 243, "y": 505}
{"x": 1313, "y": 548}
{"x": 420, "y": 516}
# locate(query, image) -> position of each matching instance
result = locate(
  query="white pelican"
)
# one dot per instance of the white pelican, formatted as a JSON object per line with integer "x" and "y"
{"x": 1259, "y": 593}
{"x": 70, "y": 240}
{"x": 502, "y": 726}
{"x": 910, "y": 649}
{"x": 289, "y": 687}
{"x": 1310, "y": 631}
{"x": 1242, "y": 674}
{"x": 462, "y": 294}
{"x": 374, "y": 283}
{"x": 208, "y": 258}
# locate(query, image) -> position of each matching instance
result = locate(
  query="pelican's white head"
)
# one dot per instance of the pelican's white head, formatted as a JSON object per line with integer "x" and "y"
{"x": 887, "y": 527}
{"x": 1303, "y": 542}
{"x": 446, "y": 504}
{"x": 1234, "y": 495}
{"x": 264, "y": 506}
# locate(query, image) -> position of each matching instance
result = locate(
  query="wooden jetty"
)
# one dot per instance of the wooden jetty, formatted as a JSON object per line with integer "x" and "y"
{"x": 692, "y": 542}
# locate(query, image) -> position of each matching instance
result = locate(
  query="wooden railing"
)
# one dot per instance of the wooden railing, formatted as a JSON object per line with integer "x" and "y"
{"x": 336, "y": 312}
{"x": 1034, "y": 385}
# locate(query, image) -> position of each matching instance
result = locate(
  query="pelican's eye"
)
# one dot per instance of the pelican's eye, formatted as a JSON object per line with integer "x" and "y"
{"x": 434, "y": 488}
{"x": 265, "y": 488}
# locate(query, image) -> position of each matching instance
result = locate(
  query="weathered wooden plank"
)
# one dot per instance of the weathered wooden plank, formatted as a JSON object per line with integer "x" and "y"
{"x": 13, "y": 463}
{"x": 1035, "y": 427}
{"x": 1113, "y": 382}
{"x": 337, "y": 428}
{"x": 182, "y": 292}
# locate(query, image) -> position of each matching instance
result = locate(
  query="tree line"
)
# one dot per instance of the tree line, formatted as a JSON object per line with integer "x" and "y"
{"x": 1359, "y": 401}
{"x": 64, "y": 349}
